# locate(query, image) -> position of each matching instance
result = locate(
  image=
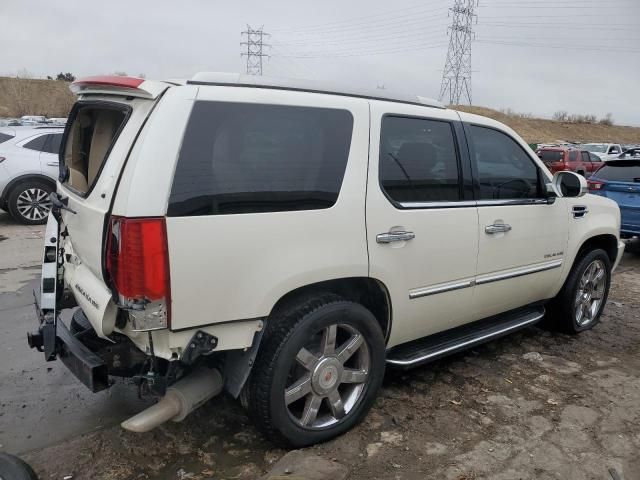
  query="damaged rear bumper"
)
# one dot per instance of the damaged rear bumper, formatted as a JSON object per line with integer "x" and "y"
{"x": 55, "y": 339}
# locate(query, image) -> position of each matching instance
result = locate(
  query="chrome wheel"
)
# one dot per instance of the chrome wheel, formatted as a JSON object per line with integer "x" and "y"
{"x": 33, "y": 204}
{"x": 590, "y": 294}
{"x": 328, "y": 377}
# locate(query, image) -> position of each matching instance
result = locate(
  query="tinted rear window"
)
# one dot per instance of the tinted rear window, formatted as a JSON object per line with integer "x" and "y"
{"x": 551, "y": 156}
{"x": 249, "y": 158}
{"x": 4, "y": 137}
{"x": 620, "y": 173}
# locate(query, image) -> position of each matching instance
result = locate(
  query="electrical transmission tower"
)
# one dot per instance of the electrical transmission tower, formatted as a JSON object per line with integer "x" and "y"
{"x": 254, "y": 43}
{"x": 456, "y": 77}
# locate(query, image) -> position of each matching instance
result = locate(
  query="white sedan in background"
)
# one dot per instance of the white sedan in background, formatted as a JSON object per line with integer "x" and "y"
{"x": 28, "y": 171}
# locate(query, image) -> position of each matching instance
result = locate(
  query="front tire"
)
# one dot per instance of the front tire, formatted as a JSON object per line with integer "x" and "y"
{"x": 29, "y": 202}
{"x": 318, "y": 371}
{"x": 579, "y": 304}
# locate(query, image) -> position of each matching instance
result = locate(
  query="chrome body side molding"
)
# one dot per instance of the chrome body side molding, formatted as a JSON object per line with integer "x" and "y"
{"x": 483, "y": 279}
{"x": 519, "y": 272}
{"x": 440, "y": 288}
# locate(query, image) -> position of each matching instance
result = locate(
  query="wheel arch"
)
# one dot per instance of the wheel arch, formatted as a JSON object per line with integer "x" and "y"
{"x": 369, "y": 292}
{"x": 607, "y": 242}
{"x": 25, "y": 178}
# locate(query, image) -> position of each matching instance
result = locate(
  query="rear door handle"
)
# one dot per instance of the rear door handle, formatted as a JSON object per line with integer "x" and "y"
{"x": 389, "y": 237}
{"x": 53, "y": 164}
{"x": 497, "y": 228}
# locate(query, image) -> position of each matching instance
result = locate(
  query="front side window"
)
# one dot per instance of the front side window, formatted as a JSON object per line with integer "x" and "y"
{"x": 504, "y": 169}
{"x": 251, "y": 158}
{"x": 418, "y": 160}
{"x": 594, "y": 158}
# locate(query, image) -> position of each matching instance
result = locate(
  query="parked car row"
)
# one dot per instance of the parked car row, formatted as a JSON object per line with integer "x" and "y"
{"x": 32, "y": 121}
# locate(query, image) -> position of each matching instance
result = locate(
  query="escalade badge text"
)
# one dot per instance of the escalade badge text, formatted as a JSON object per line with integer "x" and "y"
{"x": 87, "y": 296}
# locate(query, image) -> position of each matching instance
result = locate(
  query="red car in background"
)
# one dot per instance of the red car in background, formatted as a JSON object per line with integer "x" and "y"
{"x": 566, "y": 158}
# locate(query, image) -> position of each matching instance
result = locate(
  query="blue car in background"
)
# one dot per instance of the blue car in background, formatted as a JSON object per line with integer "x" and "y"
{"x": 619, "y": 180}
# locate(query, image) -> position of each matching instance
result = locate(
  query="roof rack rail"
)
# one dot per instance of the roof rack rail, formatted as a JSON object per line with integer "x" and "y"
{"x": 240, "y": 80}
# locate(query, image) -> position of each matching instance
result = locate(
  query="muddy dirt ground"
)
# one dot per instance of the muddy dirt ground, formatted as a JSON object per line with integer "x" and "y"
{"x": 535, "y": 405}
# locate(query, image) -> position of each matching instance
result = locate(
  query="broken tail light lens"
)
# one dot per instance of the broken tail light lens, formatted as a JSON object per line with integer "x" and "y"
{"x": 137, "y": 263}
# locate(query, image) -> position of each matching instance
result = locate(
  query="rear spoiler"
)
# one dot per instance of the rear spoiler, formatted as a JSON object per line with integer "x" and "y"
{"x": 116, "y": 85}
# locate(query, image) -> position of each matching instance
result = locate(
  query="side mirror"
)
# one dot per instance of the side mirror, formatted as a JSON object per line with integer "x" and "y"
{"x": 569, "y": 184}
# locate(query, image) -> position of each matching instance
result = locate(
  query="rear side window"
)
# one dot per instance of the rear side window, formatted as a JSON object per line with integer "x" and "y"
{"x": 418, "y": 160}
{"x": 90, "y": 133}
{"x": 585, "y": 156}
{"x": 553, "y": 156}
{"x": 251, "y": 158}
{"x": 4, "y": 137}
{"x": 619, "y": 173}
{"x": 573, "y": 156}
{"x": 52, "y": 145}
{"x": 36, "y": 144}
{"x": 504, "y": 169}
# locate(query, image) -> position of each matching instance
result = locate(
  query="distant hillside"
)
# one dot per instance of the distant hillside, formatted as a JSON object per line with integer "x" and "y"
{"x": 52, "y": 98}
{"x": 537, "y": 130}
{"x": 20, "y": 96}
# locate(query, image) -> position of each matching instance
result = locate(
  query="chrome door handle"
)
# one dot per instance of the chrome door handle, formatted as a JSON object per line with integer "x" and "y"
{"x": 53, "y": 164}
{"x": 389, "y": 237}
{"x": 497, "y": 228}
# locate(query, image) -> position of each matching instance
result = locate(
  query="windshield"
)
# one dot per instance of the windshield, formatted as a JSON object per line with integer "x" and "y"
{"x": 595, "y": 147}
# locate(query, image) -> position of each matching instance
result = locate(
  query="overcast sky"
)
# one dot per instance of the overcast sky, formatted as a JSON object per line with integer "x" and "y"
{"x": 582, "y": 56}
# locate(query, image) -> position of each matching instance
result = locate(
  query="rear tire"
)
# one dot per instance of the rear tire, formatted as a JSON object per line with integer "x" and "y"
{"x": 29, "y": 203}
{"x": 579, "y": 304}
{"x": 318, "y": 371}
{"x": 13, "y": 468}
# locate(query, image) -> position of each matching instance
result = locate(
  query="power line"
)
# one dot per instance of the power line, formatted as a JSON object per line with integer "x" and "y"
{"x": 349, "y": 23}
{"x": 456, "y": 77}
{"x": 255, "y": 44}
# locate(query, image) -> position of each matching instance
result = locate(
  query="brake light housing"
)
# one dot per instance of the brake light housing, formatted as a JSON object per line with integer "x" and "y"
{"x": 595, "y": 185}
{"x": 137, "y": 263}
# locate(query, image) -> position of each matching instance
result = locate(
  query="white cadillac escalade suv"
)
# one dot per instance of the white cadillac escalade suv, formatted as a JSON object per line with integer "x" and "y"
{"x": 286, "y": 242}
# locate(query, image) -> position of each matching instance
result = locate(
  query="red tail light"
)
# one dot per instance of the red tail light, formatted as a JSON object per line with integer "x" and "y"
{"x": 595, "y": 185}
{"x": 137, "y": 262}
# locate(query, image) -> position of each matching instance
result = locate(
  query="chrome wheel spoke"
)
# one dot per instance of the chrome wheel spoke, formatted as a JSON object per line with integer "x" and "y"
{"x": 307, "y": 359}
{"x": 329, "y": 340}
{"x": 336, "y": 405}
{"x": 353, "y": 376}
{"x": 322, "y": 390}
{"x": 311, "y": 408}
{"x": 298, "y": 390}
{"x": 349, "y": 348}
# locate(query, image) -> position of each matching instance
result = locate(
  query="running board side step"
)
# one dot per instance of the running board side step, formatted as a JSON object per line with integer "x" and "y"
{"x": 436, "y": 346}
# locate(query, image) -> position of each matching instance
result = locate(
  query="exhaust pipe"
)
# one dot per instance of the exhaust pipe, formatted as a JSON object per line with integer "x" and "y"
{"x": 181, "y": 399}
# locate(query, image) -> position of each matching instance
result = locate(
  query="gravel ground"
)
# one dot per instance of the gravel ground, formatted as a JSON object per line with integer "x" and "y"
{"x": 531, "y": 405}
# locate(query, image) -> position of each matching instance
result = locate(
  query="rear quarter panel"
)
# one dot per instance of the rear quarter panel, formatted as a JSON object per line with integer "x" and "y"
{"x": 231, "y": 267}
